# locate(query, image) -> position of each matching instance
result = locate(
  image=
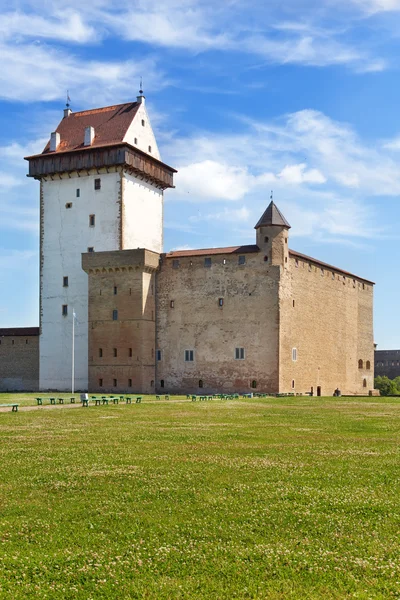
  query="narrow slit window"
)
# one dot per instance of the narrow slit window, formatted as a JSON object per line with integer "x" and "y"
{"x": 92, "y": 220}
{"x": 115, "y": 315}
{"x": 115, "y": 290}
{"x": 162, "y": 383}
{"x": 294, "y": 354}
{"x": 220, "y": 301}
{"x": 100, "y": 382}
{"x": 254, "y": 384}
{"x": 115, "y": 352}
{"x": 172, "y": 304}
{"x": 97, "y": 184}
{"x": 149, "y": 148}
{"x": 130, "y": 352}
{"x": 78, "y": 193}
{"x": 189, "y": 355}
{"x": 200, "y": 383}
{"x": 65, "y": 281}
{"x": 129, "y": 382}
{"x": 100, "y": 352}
{"x": 115, "y": 382}
{"x": 158, "y": 355}
{"x": 64, "y": 310}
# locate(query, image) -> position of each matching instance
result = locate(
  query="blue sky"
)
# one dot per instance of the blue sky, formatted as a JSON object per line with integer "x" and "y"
{"x": 301, "y": 97}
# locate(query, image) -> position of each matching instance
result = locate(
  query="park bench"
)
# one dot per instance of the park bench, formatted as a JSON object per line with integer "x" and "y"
{"x": 104, "y": 400}
{"x": 97, "y": 401}
{"x": 138, "y": 399}
{"x": 167, "y": 397}
{"x": 61, "y": 400}
{"x": 14, "y": 406}
{"x": 85, "y": 402}
{"x": 72, "y": 400}
{"x": 52, "y": 400}
{"x": 158, "y": 397}
{"x": 194, "y": 398}
{"x": 128, "y": 400}
{"x": 39, "y": 401}
{"x": 115, "y": 400}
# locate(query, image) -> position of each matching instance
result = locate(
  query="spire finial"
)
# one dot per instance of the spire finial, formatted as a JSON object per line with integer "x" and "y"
{"x": 67, "y": 104}
{"x": 141, "y": 87}
{"x": 272, "y": 195}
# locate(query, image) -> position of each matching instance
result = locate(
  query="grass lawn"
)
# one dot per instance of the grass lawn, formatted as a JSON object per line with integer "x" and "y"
{"x": 272, "y": 498}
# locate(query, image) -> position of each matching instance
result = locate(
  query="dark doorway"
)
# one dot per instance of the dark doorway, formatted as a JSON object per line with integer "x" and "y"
{"x": 319, "y": 390}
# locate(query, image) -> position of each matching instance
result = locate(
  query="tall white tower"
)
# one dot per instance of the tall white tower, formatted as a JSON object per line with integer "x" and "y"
{"x": 101, "y": 188}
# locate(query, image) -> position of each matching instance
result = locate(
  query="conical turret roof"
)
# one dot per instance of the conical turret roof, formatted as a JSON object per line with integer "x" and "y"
{"x": 272, "y": 216}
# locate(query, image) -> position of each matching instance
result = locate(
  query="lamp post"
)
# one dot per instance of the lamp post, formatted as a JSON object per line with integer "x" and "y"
{"x": 73, "y": 349}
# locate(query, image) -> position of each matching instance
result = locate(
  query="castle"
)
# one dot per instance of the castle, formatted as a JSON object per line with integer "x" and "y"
{"x": 259, "y": 317}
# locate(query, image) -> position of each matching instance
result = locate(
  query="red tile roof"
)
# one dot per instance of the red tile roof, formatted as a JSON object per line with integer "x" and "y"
{"x": 213, "y": 251}
{"x": 253, "y": 248}
{"x": 326, "y": 265}
{"x": 110, "y": 126}
{"x": 16, "y": 331}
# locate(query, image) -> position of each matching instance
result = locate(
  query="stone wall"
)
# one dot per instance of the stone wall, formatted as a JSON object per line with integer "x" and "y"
{"x": 190, "y": 317}
{"x": 19, "y": 359}
{"x": 121, "y": 346}
{"x": 387, "y": 362}
{"x": 327, "y": 317}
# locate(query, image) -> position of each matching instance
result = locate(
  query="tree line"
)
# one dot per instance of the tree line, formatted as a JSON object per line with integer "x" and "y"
{"x": 386, "y": 386}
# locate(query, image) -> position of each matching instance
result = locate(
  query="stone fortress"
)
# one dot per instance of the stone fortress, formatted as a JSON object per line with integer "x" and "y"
{"x": 259, "y": 318}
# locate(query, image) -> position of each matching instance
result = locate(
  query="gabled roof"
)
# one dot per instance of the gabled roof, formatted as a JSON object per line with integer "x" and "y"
{"x": 213, "y": 251}
{"x": 272, "y": 216}
{"x": 110, "y": 126}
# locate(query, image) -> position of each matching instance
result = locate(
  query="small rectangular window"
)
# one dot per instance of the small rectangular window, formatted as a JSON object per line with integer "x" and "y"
{"x": 189, "y": 355}
{"x": 100, "y": 383}
{"x": 242, "y": 260}
{"x": 115, "y": 315}
{"x": 68, "y": 205}
{"x": 100, "y": 352}
{"x": 207, "y": 262}
{"x": 239, "y": 353}
{"x": 65, "y": 310}
{"x": 149, "y": 148}
{"x": 90, "y": 249}
{"x": 175, "y": 263}
{"x": 92, "y": 220}
{"x": 172, "y": 304}
{"x": 78, "y": 193}
{"x": 158, "y": 354}
{"x": 65, "y": 281}
{"x": 115, "y": 351}
{"x": 130, "y": 352}
{"x": 294, "y": 354}
{"x": 220, "y": 301}
{"x": 129, "y": 382}
{"x": 97, "y": 184}
{"x": 115, "y": 290}
{"x": 115, "y": 382}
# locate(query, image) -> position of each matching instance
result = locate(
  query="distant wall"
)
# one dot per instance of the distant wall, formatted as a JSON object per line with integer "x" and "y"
{"x": 19, "y": 359}
{"x": 387, "y": 362}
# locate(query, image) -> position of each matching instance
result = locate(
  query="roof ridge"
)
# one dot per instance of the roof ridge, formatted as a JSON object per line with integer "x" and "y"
{"x": 103, "y": 107}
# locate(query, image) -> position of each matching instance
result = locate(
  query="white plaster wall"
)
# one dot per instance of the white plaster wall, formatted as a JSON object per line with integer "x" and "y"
{"x": 142, "y": 220}
{"x": 66, "y": 235}
{"x": 144, "y": 135}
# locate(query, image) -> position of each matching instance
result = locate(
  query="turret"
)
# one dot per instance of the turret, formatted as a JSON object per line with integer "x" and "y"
{"x": 272, "y": 236}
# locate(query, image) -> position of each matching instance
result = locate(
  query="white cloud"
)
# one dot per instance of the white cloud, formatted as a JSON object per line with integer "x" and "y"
{"x": 209, "y": 180}
{"x": 237, "y": 215}
{"x": 375, "y": 6}
{"x": 300, "y": 174}
{"x": 67, "y": 26}
{"x": 32, "y": 72}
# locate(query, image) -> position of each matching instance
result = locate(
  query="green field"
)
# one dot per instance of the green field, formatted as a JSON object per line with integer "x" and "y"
{"x": 272, "y": 498}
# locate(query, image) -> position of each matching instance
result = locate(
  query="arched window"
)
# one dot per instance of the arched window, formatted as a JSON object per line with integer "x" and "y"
{"x": 162, "y": 383}
{"x": 200, "y": 383}
{"x": 368, "y": 365}
{"x": 292, "y": 384}
{"x": 360, "y": 364}
{"x": 365, "y": 383}
{"x": 254, "y": 384}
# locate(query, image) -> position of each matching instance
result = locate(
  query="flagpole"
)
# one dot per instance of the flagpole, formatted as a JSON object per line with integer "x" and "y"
{"x": 73, "y": 350}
